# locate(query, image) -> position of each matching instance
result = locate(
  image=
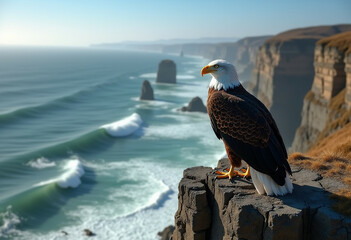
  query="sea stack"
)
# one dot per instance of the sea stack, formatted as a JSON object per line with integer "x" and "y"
{"x": 195, "y": 105}
{"x": 166, "y": 72}
{"x": 147, "y": 93}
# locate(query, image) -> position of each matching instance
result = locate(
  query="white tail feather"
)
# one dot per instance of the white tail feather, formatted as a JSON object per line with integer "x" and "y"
{"x": 265, "y": 184}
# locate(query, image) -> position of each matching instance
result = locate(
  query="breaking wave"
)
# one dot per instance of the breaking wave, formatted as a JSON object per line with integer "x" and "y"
{"x": 124, "y": 127}
{"x": 73, "y": 171}
{"x": 99, "y": 138}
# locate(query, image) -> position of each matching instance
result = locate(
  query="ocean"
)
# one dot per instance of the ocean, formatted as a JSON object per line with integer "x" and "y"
{"x": 79, "y": 150}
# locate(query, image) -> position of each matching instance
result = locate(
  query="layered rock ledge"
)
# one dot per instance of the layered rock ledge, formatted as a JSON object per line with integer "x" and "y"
{"x": 210, "y": 208}
{"x": 329, "y": 99}
{"x": 284, "y": 72}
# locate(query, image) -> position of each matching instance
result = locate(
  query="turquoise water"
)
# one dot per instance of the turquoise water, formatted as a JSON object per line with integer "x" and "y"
{"x": 68, "y": 160}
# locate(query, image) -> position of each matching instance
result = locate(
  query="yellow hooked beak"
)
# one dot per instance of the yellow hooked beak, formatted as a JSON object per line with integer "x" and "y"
{"x": 207, "y": 69}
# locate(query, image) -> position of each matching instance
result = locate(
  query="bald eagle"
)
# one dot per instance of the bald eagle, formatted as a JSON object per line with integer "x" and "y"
{"x": 247, "y": 130}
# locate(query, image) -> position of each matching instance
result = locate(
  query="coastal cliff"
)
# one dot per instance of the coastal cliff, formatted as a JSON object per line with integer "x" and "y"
{"x": 327, "y": 106}
{"x": 210, "y": 208}
{"x": 284, "y": 72}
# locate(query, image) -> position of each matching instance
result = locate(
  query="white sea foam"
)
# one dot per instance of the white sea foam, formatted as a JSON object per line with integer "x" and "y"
{"x": 154, "y": 190}
{"x": 185, "y": 77}
{"x": 71, "y": 178}
{"x": 9, "y": 220}
{"x": 148, "y": 75}
{"x": 193, "y": 129}
{"x": 154, "y": 214}
{"x": 157, "y": 198}
{"x": 41, "y": 163}
{"x": 154, "y": 75}
{"x": 149, "y": 218}
{"x": 124, "y": 127}
{"x": 73, "y": 170}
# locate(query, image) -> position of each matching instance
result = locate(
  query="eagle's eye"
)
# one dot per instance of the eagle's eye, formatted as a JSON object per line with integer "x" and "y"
{"x": 216, "y": 66}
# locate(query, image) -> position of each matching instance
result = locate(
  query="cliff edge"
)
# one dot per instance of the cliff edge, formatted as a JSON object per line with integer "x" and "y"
{"x": 327, "y": 106}
{"x": 284, "y": 72}
{"x": 210, "y": 208}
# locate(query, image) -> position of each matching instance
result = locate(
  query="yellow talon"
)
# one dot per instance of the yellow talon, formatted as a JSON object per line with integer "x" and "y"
{"x": 245, "y": 173}
{"x": 232, "y": 173}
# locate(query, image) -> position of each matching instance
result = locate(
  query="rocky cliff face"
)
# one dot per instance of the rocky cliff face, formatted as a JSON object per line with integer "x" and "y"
{"x": 327, "y": 100}
{"x": 284, "y": 71}
{"x": 348, "y": 80}
{"x": 210, "y": 208}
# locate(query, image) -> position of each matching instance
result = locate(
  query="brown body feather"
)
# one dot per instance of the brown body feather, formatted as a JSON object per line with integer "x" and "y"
{"x": 248, "y": 131}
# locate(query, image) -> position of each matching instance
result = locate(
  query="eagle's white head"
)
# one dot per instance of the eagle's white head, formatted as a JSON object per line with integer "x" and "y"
{"x": 223, "y": 73}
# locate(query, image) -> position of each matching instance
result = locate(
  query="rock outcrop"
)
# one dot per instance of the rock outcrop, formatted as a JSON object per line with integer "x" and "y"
{"x": 284, "y": 72}
{"x": 166, "y": 234}
{"x": 210, "y": 208}
{"x": 195, "y": 105}
{"x": 327, "y": 100}
{"x": 147, "y": 93}
{"x": 166, "y": 72}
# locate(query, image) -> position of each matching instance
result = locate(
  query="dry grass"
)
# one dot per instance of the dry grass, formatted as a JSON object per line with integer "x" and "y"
{"x": 298, "y": 156}
{"x": 342, "y": 41}
{"x": 313, "y": 33}
{"x": 338, "y": 117}
{"x": 331, "y": 157}
{"x": 347, "y": 180}
{"x": 328, "y": 164}
{"x": 335, "y": 146}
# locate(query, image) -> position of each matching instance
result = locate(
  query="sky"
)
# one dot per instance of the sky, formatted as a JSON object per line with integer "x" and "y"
{"x": 85, "y": 22}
